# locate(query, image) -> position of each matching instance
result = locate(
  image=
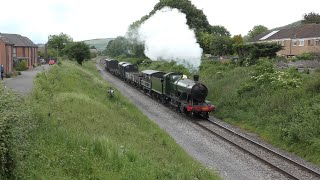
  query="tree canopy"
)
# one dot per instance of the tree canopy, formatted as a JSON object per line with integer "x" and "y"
{"x": 196, "y": 19}
{"x": 59, "y": 41}
{"x": 311, "y": 17}
{"x": 117, "y": 47}
{"x": 250, "y": 53}
{"x": 78, "y": 51}
{"x": 256, "y": 30}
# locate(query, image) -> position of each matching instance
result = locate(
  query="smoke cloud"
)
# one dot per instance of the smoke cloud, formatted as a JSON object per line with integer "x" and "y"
{"x": 167, "y": 36}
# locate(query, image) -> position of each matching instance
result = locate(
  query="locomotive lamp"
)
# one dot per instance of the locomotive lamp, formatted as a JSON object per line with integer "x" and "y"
{"x": 196, "y": 77}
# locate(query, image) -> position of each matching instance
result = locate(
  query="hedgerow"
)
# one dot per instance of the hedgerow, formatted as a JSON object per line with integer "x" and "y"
{"x": 14, "y": 126}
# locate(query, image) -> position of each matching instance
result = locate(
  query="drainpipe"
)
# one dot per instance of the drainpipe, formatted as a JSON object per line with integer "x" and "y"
{"x": 290, "y": 46}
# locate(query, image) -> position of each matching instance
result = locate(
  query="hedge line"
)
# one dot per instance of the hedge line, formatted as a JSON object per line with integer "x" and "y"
{"x": 14, "y": 125}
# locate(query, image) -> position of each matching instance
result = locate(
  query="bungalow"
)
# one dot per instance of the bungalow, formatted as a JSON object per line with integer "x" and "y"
{"x": 295, "y": 40}
{"x": 13, "y": 48}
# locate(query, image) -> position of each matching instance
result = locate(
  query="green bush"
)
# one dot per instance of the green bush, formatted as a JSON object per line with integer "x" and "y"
{"x": 306, "y": 56}
{"x": 14, "y": 126}
{"x": 266, "y": 75}
{"x": 22, "y": 66}
{"x": 314, "y": 85}
{"x": 8, "y": 75}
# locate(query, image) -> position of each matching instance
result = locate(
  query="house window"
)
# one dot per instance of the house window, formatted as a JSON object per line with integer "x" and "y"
{"x": 294, "y": 42}
{"x": 14, "y": 52}
{"x": 310, "y": 42}
{"x": 301, "y": 42}
{"x": 317, "y": 42}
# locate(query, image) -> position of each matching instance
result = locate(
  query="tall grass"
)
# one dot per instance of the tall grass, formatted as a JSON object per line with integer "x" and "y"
{"x": 82, "y": 133}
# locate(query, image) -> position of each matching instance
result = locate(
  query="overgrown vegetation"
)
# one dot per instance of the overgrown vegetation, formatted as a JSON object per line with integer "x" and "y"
{"x": 14, "y": 128}
{"x": 280, "y": 105}
{"x": 80, "y": 132}
{"x": 250, "y": 53}
{"x": 22, "y": 66}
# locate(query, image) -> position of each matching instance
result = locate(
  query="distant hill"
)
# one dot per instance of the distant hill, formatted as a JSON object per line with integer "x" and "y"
{"x": 100, "y": 43}
{"x": 295, "y": 24}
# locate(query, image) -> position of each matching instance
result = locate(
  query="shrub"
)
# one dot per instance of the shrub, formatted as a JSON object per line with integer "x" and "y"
{"x": 314, "y": 85}
{"x": 306, "y": 56}
{"x": 246, "y": 87}
{"x": 266, "y": 75}
{"x": 22, "y": 66}
{"x": 8, "y": 75}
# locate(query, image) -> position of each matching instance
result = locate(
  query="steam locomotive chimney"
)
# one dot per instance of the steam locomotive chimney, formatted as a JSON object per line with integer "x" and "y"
{"x": 196, "y": 78}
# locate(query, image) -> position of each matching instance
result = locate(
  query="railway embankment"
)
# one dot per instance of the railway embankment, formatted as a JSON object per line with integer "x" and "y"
{"x": 77, "y": 130}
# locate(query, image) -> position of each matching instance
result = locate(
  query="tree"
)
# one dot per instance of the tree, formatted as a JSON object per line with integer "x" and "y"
{"x": 206, "y": 40}
{"x": 237, "y": 39}
{"x": 59, "y": 42}
{"x": 250, "y": 53}
{"x": 256, "y": 30}
{"x": 78, "y": 51}
{"x": 117, "y": 47}
{"x": 196, "y": 19}
{"x": 221, "y": 45}
{"x": 311, "y": 17}
{"x": 219, "y": 30}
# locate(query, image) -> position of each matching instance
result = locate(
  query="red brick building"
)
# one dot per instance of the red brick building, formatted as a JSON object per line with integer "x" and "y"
{"x": 296, "y": 40}
{"x": 14, "y": 48}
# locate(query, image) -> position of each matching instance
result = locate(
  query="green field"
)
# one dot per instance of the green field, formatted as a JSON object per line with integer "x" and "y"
{"x": 79, "y": 132}
{"x": 100, "y": 44}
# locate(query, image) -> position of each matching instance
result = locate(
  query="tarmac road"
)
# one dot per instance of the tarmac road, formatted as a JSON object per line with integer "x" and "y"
{"x": 23, "y": 83}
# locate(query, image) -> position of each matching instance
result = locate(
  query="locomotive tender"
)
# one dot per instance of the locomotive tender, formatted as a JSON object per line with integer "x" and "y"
{"x": 185, "y": 95}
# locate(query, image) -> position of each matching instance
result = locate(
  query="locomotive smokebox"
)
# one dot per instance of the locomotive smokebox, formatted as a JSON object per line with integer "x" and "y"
{"x": 196, "y": 78}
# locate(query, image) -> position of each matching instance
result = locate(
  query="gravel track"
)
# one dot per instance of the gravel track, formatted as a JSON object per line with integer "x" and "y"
{"x": 211, "y": 151}
{"x": 265, "y": 152}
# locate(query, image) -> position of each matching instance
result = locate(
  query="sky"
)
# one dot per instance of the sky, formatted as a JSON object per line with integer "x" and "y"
{"x": 90, "y": 19}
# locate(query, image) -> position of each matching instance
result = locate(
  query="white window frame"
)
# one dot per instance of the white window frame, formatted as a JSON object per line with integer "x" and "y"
{"x": 14, "y": 52}
{"x": 301, "y": 42}
{"x": 294, "y": 42}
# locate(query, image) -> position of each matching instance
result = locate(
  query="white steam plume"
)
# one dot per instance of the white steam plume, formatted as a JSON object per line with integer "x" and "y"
{"x": 167, "y": 37}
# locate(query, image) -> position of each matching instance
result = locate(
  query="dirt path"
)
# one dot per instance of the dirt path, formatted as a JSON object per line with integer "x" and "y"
{"x": 23, "y": 84}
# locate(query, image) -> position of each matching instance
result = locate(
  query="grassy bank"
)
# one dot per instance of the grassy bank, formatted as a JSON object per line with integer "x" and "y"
{"x": 281, "y": 106}
{"x": 82, "y": 133}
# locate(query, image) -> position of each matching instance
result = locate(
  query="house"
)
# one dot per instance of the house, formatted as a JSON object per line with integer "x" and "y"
{"x": 295, "y": 40}
{"x": 14, "y": 48}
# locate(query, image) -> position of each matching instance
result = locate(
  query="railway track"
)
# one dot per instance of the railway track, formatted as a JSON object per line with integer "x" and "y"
{"x": 282, "y": 163}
